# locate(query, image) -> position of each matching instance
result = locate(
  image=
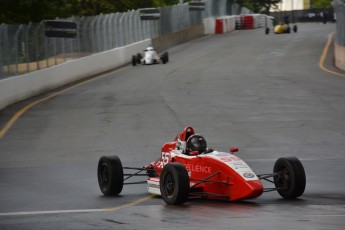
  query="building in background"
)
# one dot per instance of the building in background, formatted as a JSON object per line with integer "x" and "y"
{"x": 287, "y": 5}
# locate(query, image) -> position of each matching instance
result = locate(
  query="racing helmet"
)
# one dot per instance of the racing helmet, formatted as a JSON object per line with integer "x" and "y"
{"x": 197, "y": 142}
{"x": 149, "y": 48}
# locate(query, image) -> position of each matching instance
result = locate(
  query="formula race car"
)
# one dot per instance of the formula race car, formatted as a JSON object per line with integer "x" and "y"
{"x": 149, "y": 57}
{"x": 283, "y": 28}
{"x": 187, "y": 168}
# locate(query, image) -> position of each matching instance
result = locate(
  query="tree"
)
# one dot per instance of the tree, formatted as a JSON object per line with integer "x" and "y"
{"x": 24, "y": 11}
{"x": 259, "y": 6}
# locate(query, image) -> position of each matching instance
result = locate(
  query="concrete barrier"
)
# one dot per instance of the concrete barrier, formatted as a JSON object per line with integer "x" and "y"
{"x": 164, "y": 42}
{"x": 21, "y": 87}
{"x": 24, "y": 86}
{"x": 339, "y": 53}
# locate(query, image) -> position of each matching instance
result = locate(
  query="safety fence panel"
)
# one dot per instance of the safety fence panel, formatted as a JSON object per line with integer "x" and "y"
{"x": 25, "y": 48}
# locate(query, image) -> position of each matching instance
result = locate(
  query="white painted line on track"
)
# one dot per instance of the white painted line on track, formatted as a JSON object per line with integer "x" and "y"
{"x": 51, "y": 212}
{"x": 113, "y": 209}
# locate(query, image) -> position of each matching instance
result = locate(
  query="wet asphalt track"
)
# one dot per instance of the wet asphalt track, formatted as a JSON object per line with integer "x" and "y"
{"x": 263, "y": 94}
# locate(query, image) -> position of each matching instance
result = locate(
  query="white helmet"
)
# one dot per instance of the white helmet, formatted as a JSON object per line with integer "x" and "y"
{"x": 149, "y": 48}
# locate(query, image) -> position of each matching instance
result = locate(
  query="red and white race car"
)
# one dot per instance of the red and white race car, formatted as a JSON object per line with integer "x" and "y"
{"x": 186, "y": 168}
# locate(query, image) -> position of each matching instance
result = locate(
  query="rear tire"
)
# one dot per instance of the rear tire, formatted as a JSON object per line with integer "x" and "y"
{"x": 165, "y": 58}
{"x": 134, "y": 60}
{"x": 295, "y": 29}
{"x": 110, "y": 175}
{"x": 174, "y": 184}
{"x": 291, "y": 181}
{"x": 166, "y": 54}
{"x": 288, "y": 29}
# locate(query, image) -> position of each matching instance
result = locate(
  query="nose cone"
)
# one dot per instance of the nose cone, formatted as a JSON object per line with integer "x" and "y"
{"x": 256, "y": 189}
{"x": 247, "y": 190}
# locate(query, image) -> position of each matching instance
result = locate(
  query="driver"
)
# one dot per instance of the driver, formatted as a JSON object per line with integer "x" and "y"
{"x": 150, "y": 49}
{"x": 151, "y": 53}
{"x": 196, "y": 143}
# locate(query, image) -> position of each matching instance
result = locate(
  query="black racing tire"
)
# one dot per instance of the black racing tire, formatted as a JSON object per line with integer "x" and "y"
{"x": 164, "y": 58}
{"x": 134, "y": 60}
{"x": 291, "y": 180}
{"x": 174, "y": 184}
{"x": 288, "y": 29}
{"x": 110, "y": 175}
{"x": 166, "y": 54}
{"x": 139, "y": 57}
{"x": 164, "y": 61}
{"x": 295, "y": 28}
{"x": 267, "y": 30}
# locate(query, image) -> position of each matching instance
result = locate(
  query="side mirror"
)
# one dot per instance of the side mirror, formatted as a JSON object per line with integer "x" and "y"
{"x": 233, "y": 150}
{"x": 193, "y": 153}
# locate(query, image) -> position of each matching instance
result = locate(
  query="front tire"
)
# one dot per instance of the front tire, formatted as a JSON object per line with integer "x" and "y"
{"x": 291, "y": 180}
{"x": 174, "y": 184}
{"x": 110, "y": 175}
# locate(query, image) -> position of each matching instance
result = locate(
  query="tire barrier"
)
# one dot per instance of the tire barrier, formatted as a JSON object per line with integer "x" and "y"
{"x": 219, "y": 25}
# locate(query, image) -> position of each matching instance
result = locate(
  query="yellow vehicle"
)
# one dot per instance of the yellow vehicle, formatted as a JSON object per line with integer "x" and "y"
{"x": 282, "y": 28}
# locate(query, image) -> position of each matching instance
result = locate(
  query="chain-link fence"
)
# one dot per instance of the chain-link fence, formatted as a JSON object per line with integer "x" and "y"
{"x": 25, "y": 48}
{"x": 339, "y": 9}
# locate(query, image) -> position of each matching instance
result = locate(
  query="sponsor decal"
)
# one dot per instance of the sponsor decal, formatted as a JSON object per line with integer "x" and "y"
{"x": 153, "y": 185}
{"x": 248, "y": 175}
{"x": 198, "y": 168}
{"x": 229, "y": 158}
{"x": 165, "y": 158}
{"x": 221, "y": 154}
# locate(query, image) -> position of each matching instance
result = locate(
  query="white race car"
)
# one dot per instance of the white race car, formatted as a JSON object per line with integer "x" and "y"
{"x": 149, "y": 57}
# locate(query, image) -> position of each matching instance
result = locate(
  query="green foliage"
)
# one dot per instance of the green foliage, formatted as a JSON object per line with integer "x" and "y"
{"x": 259, "y": 6}
{"x": 322, "y": 3}
{"x": 24, "y": 11}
